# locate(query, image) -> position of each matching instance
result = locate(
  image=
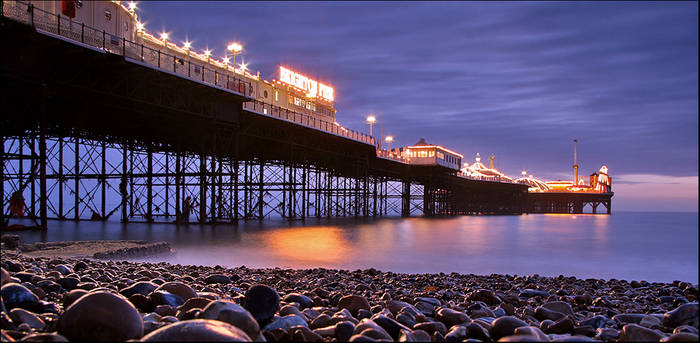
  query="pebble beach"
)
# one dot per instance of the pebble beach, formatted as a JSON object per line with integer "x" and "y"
{"x": 83, "y": 299}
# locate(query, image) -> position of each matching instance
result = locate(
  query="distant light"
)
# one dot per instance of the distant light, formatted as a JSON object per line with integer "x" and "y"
{"x": 132, "y": 6}
{"x": 371, "y": 119}
{"x": 164, "y": 36}
{"x": 235, "y": 47}
{"x": 226, "y": 60}
{"x": 523, "y": 172}
{"x": 207, "y": 53}
{"x": 188, "y": 45}
{"x": 139, "y": 26}
{"x": 244, "y": 66}
{"x": 389, "y": 139}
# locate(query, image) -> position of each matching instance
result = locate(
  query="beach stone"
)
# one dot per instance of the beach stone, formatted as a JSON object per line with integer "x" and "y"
{"x": 366, "y": 324}
{"x": 4, "y": 277}
{"x": 431, "y": 327}
{"x": 302, "y": 300}
{"x": 291, "y": 309}
{"x": 15, "y": 295}
{"x": 650, "y": 321}
{"x": 262, "y": 302}
{"x": 178, "y": 288}
{"x": 304, "y": 334}
{"x": 395, "y": 306}
{"x": 559, "y": 306}
{"x": 344, "y": 330}
{"x": 100, "y": 316}
{"x": 542, "y": 313}
{"x": 486, "y": 296}
{"x": 49, "y": 286}
{"x": 19, "y": 316}
{"x": 425, "y": 308}
{"x": 353, "y": 303}
{"x": 165, "y": 310}
{"x": 457, "y": 333}
{"x": 532, "y": 331}
{"x": 597, "y": 321}
{"x": 320, "y": 321}
{"x": 625, "y": 318}
{"x": 68, "y": 282}
{"x": 142, "y": 302}
{"x": 585, "y": 330}
{"x": 477, "y": 331}
{"x": 520, "y": 338}
{"x": 198, "y": 330}
{"x": 686, "y": 314}
{"x": 561, "y": 326}
{"x": 505, "y": 326}
{"x": 11, "y": 241}
{"x": 531, "y": 293}
{"x": 432, "y": 301}
{"x": 286, "y": 322}
{"x": 217, "y": 279}
{"x": 406, "y": 319}
{"x": 686, "y": 328}
{"x": 568, "y": 338}
{"x": 451, "y": 317}
{"x": 192, "y": 303}
{"x": 44, "y": 337}
{"x": 232, "y": 313}
{"x": 391, "y": 326}
{"x": 681, "y": 337}
{"x": 63, "y": 269}
{"x": 141, "y": 287}
{"x": 80, "y": 265}
{"x": 160, "y": 297}
{"x": 606, "y": 334}
{"x": 637, "y": 333}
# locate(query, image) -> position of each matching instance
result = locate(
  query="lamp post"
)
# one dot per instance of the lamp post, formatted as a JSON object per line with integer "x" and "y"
{"x": 234, "y": 48}
{"x": 371, "y": 120}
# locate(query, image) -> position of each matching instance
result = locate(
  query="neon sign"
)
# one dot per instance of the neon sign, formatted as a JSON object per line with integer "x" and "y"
{"x": 312, "y": 87}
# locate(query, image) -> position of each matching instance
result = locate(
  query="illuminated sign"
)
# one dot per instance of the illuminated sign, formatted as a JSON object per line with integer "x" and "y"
{"x": 312, "y": 87}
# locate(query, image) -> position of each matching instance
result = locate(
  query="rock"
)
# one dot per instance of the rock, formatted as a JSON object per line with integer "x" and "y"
{"x": 141, "y": 287}
{"x": 198, "y": 330}
{"x": 585, "y": 330}
{"x": 686, "y": 314}
{"x": 11, "y": 241}
{"x": 395, "y": 306}
{"x": 650, "y": 321}
{"x": 392, "y": 327}
{"x": 353, "y": 303}
{"x": 49, "y": 286}
{"x": 178, "y": 288}
{"x": 217, "y": 279}
{"x": 559, "y": 306}
{"x": 451, "y": 317}
{"x": 567, "y": 338}
{"x": 477, "y": 331}
{"x": 479, "y": 309}
{"x": 160, "y": 297}
{"x": 286, "y": 322}
{"x": 606, "y": 334}
{"x": 344, "y": 330}
{"x": 4, "y": 277}
{"x": 15, "y": 295}
{"x": 520, "y": 338}
{"x": 80, "y": 265}
{"x": 63, "y": 269}
{"x": 681, "y": 337}
{"x": 165, "y": 310}
{"x": 531, "y": 293}
{"x": 561, "y": 326}
{"x": 100, "y": 316}
{"x": 321, "y": 321}
{"x": 68, "y": 283}
{"x": 625, "y": 318}
{"x": 456, "y": 334}
{"x": 532, "y": 331}
{"x": 431, "y": 301}
{"x": 431, "y": 327}
{"x": 304, "y": 334}
{"x": 542, "y": 313}
{"x": 636, "y": 333}
{"x": 142, "y": 302}
{"x": 44, "y": 337}
{"x": 597, "y": 321}
{"x": 232, "y": 313}
{"x": 406, "y": 319}
{"x": 366, "y": 324}
{"x": 19, "y": 316}
{"x": 686, "y": 328}
{"x": 302, "y": 300}
{"x": 486, "y": 296}
{"x": 192, "y": 303}
{"x": 505, "y": 326}
{"x": 262, "y": 302}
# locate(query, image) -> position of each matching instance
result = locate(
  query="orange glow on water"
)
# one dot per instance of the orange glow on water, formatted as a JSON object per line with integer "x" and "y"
{"x": 309, "y": 246}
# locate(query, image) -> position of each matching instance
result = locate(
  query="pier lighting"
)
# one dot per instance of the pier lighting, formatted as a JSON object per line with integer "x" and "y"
{"x": 207, "y": 53}
{"x": 139, "y": 26}
{"x": 226, "y": 60}
{"x": 132, "y": 6}
{"x": 244, "y": 66}
{"x": 371, "y": 120}
{"x": 388, "y": 141}
{"x": 164, "y": 37}
{"x": 187, "y": 45}
{"x": 235, "y": 49}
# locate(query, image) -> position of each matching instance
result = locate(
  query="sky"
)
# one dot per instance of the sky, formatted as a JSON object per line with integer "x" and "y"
{"x": 520, "y": 80}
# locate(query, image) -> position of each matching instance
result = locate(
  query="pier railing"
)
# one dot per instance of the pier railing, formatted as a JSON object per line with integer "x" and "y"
{"x": 307, "y": 120}
{"x": 164, "y": 60}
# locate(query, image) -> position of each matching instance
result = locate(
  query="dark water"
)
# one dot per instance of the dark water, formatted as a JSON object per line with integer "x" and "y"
{"x": 625, "y": 245}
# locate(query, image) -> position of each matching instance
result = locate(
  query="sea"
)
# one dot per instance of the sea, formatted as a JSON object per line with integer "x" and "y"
{"x": 656, "y": 247}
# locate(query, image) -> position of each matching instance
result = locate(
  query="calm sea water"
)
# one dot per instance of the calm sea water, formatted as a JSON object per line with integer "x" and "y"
{"x": 625, "y": 245}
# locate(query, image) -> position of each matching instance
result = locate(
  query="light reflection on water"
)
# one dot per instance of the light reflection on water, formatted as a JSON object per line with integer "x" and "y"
{"x": 634, "y": 246}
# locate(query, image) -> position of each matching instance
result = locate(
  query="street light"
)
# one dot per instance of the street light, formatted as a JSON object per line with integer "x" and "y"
{"x": 234, "y": 48}
{"x": 371, "y": 120}
{"x": 164, "y": 36}
{"x": 388, "y": 141}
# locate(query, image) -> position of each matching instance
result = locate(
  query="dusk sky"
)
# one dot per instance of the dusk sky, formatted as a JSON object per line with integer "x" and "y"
{"x": 517, "y": 79}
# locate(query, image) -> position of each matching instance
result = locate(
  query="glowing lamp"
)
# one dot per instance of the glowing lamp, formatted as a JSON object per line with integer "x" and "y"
{"x": 226, "y": 60}
{"x": 371, "y": 119}
{"x": 139, "y": 26}
{"x": 188, "y": 45}
{"x": 164, "y": 36}
{"x": 132, "y": 6}
{"x": 389, "y": 139}
{"x": 244, "y": 66}
{"x": 207, "y": 53}
{"x": 235, "y": 48}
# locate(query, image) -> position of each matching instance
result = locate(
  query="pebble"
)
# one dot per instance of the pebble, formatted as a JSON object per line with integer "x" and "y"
{"x": 286, "y": 322}
{"x": 198, "y": 330}
{"x": 262, "y": 302}
{"x": 100, "y": 316}
{"x": 681, "y": 337}
{"x": 178, "y": 288}
{"x": 451, "y": 317}
{"x": 232, "y": 313}
{"x": 141, "y": 287}
{"x": 559, "y": 306}
{"x": 636, "y": 333}
{"x": 353, "y": 303}
{"x": 686, "y": 314}
{"x": 15, "y": 295}
{"x": 505, "y": 326}
{"x": 532, "y": 331}
{"x": 302, "y": 300}
{"x": 217, "y": 278}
